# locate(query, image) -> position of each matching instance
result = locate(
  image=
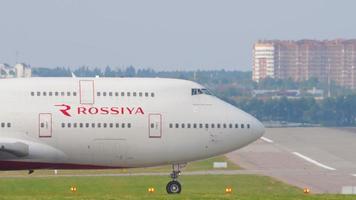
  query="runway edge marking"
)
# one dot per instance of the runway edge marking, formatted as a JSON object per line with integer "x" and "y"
{"x": 266, "y": 140}
{"x": 313, "y": 161}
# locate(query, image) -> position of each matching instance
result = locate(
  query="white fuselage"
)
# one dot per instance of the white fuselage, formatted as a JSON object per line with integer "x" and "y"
{"x": 115, "y": 122}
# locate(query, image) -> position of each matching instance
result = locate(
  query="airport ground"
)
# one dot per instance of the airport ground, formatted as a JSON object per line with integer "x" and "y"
{"x": 322, "y": 159}
{"x": 276, "y": 167}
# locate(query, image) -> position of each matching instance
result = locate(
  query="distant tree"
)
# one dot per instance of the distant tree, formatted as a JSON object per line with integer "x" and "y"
{"x": 108, "y": 72}
{"x": 49, "y": 72}
{"x": 3, "y": 72}
{"x": 130, "y": 72}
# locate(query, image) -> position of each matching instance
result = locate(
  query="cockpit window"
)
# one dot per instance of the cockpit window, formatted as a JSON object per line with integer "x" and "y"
{"x": 197, "y": 91}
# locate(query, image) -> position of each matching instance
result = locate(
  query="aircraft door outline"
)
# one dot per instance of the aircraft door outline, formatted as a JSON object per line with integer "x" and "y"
{"x": 45, "y": 125}
{"x": 86, "y": 92}
{"x": 155, "y": 125}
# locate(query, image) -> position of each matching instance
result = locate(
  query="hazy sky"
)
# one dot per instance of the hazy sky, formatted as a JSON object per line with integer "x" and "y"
{"x": 161, "y": 34}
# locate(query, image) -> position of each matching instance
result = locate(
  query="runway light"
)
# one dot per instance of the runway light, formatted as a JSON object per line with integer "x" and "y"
{"x": 73, "y": 189}
{"x": 306, "y": 190}
{"x": 228, "y": 190}
{"x": 151, "y": 190}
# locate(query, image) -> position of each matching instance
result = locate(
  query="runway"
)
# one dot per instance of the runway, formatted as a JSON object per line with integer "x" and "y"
{"x": 322, "y": 159}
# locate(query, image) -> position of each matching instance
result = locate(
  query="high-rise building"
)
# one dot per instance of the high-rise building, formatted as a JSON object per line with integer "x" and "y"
{"x": 18, "y": 71}
{"x": 329, "y": 60}
{"x": 263, "y": 61}
{"x": 23, "y": 70}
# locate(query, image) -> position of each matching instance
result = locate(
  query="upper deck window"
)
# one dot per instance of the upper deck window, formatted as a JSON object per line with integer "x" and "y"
{"x": 197, "y": 91}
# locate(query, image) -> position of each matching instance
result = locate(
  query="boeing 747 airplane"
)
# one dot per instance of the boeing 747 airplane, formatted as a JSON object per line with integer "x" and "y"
{"x": 97, "y": 123}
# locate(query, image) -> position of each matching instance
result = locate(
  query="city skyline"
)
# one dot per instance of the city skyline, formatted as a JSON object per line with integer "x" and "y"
{"x": 175, "y": 35}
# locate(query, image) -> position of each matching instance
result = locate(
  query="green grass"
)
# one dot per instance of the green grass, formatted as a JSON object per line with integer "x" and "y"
{"x": 245, "y": 187}
{"x": 193, "y": 166}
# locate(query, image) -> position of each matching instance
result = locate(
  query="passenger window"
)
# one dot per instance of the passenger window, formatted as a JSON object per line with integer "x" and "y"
{"x": 242, "y": 125}
{"x": 111, "y": 125}
{"x": 146, "y": 94}
{"x": 98, "y": 94}
{"x": 69, "y": 125}
{"x": 140, "y": 94}
{"x": 44, "y": 93}
{"x": 74, "y": 94}
{"x": 75, "y": 125}
{"x": 122, "y": 94}
{"x": 134, "y": 94}
{"x": 62, "y": 94}
{"x": 200, "y": 125}
{"x": 123, "y": 125}
{"x": 117, "y": 125}
{"x": 230, "y": 125}
{"x": 224, "y": 125}
{"x": 110, "y": 94}
{"x": 56, "y": 94}
{"x": 152, "y": 125}
{"x": 68, "y": 94}
{"x": 188, "y": 126}
{"x": 248, "y": 125}
{"x": 177, "y": 125}
{"x": 152, "y": 94}
{"x": 236, "y": 126}
{"x": 128, "y": 94}
{"x": 86, "y": 125}
{"x": 99, "y": 125}
{"x": 63, "y": 125}
{"x": 218, "y": 125}
{"x": 206, "y": 125}
{"x": 212, "y": 125}
{"x": 194, "y": 125}
{"x": 8, "y": 125}
{"x": 104, "y": 125}
{"x": 104, "y": 94}
{"x": 2, "y": 125}
{"x": 170, "y": 125}
{"x": 129, "y": 125}
{"x": 116, "y": 94}
{"x": 38, "y": 93}
{"x": 81, "y": 125}
{"x": 93, "y": 125}
{"x": 50, "y": 94}
{"x": 32, "y": 94}
{"x": 42, "y": 125}
{"x": 183, "y": 125}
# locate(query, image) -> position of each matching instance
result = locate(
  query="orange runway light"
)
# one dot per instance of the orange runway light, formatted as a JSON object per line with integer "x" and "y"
{"x": 228, "y": 190}
{"x": 73, "y": 189}
{"x": 151, "y": 190}
{"x": 306, "y": 190}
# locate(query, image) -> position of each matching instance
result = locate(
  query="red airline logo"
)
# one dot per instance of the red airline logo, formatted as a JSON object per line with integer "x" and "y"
{"x": 65, "y": 109}
{"x": 92, "y": 110}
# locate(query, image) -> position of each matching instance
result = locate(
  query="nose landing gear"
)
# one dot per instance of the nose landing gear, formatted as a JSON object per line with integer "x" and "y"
{"x": 174, "y": 187}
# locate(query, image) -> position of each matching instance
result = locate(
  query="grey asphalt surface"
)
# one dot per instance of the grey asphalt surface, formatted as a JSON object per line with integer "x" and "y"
{"x": 325, "y": 148}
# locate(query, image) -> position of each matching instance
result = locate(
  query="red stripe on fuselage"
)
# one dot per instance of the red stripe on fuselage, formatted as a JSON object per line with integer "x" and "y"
{"x": 21, "y": 165}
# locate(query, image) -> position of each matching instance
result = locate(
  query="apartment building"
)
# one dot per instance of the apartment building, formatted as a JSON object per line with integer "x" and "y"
{"x": 18, "y": 71}
{"x": 329, "y": 60}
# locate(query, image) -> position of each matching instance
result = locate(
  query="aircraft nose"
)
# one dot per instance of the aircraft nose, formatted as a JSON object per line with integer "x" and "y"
{"x": 259, "y": 129}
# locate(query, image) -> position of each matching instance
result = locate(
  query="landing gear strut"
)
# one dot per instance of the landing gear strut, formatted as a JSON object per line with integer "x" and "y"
{"x": 174, "y": 187}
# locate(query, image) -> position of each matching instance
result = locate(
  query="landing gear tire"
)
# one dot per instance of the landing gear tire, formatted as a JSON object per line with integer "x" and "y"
{"x": 174, "y": 187}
